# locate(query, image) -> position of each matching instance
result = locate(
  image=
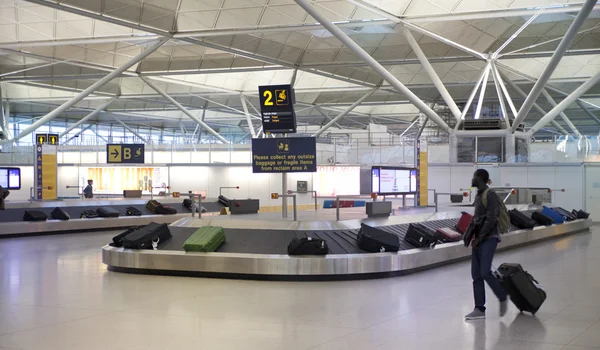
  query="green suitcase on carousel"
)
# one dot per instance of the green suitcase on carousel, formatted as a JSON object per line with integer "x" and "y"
{"x": 206, "y": 239}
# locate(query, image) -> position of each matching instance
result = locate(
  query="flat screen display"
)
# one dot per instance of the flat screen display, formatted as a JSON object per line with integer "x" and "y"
{"x": 10, "y": 178}
{"x": 391, "y": 180}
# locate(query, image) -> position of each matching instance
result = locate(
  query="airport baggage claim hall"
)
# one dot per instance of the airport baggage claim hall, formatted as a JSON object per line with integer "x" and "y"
{"x": 299, "y": 174}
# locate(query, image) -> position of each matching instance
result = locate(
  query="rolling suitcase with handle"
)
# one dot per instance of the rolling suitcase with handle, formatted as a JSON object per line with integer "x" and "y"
{"x": 523, "y": 289}
{"x": 107, "y": 212}
{"x": 447, "y": 234}
{"x": 374, "y": 240}
{"x": 556, "y": 217}
{"x": 420, "y": 236}
{"x": 581, "y": 214}
{"x": 521, "y": 220}
{"x": 34, "y": 215}
{"x": 568, "y": 216}
{"x": 59, "y": 214}
{"x": 146, "y": 237}
{"x": 463, "y": 222}
{"x": 541, "y": 219}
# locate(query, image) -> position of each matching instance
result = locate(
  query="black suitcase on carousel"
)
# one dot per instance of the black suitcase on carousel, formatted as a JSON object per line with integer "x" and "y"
{"x": 580, "y": 214}
{"x": 542, "y": 219}
{"x": 566, "y": 214}
{"x": 307, "y": 246}
{"x": 60, "y": 214}
{"x": 420, "y": 236}
{"x": 143, "y": 237}
{"x": 34, "y": 215}
{"x": 374, "y": 240}
{"x": 107, "y": 212}
{"x": 521, "y": 220}
{"x": 165, "y": 210}
{"x": 523, "y": 290}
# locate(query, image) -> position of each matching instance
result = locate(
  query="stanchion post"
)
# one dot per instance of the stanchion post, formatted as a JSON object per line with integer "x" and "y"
{"x": 337, "y": 208}
{"x": 295, "y": 209}
{"x": 316, "y": 201}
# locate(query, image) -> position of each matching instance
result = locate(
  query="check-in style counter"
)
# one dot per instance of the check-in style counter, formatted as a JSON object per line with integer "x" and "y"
{"x": 244, "y": 206}
{"x": 132, "y": 194}
{"x": 379, "y": 209}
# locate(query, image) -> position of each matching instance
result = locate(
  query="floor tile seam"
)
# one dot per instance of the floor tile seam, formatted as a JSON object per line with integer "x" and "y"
{"x": 2, "y": 335}
{"x": 580, "y": 334}
{"x": 267, "y": 322}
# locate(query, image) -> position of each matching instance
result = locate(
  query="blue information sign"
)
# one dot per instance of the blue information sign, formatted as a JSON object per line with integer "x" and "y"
{"x": 284, "y": 155}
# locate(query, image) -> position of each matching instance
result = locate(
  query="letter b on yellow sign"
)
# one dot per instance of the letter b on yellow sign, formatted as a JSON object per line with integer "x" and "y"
{"x": 126, "y": 153}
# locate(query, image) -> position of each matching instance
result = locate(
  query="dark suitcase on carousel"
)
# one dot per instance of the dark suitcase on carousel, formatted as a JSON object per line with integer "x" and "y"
{"x": 581, "y": 214}
{"x": 374, "y": 240}
{"x": 107, "y": 212}
{"x": 307, "y": 246}
{"x": 521, "y": 220}
{"x": 188, "y": 203}
{"x": 567, "y": 215}
{"x": 118, "y": 239}
{"x": 542, "y": 219}
{"x": 143, "y": 237}
{"x": 523, "y": 290}
{"x": 60, "y": 214}
{"x": 552, "y": 214}
{"x": 152, "y": 205}
{"x": 420, "y": 236}
{"x": 133, "y": 211}
{"x": 447, "y": 234}
{"x": 165, "y": 210}
{"x": 463, "y": 222}
{"x": 34, "y": 215}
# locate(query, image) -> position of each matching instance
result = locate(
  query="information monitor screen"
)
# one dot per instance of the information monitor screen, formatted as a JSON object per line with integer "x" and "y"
{"x": 10, "y": 178}
{"x": 391, "y": 180}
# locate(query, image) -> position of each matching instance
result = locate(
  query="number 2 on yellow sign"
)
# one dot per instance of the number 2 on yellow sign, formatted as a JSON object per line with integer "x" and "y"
{"x": 269, "y": 95}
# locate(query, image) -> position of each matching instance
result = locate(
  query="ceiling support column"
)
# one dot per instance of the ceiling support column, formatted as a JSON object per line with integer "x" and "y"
{"x": 97, "y": 85}
{"x": 471, "y": 97}
{"x": 587, "y": 110}
{"x": 126, "y": 126}
{"x": 565, "y": 43}
{"x": 582, "y": 89}
{"x": 79, "y": 133}
{"x": 183, "y": 109}
{"x": 248, "y": 118}
{"x": 562, "y": 114}
{"x": 535, "y": 105}
{"x": 432, "y": 74}
{"x": 345, "y": 112}
{"x": 376, "y": 66}
{"x": 88, "y": 117}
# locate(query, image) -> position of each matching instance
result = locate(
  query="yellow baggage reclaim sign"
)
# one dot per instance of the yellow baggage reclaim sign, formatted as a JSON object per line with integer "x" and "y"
{"x": 132, "y": 153}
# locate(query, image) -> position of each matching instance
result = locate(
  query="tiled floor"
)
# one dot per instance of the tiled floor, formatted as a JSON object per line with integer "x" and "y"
{"x": 56, "y": 294}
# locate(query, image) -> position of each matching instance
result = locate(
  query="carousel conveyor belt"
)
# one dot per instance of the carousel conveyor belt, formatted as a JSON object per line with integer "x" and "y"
{"x": 16, "y": 214}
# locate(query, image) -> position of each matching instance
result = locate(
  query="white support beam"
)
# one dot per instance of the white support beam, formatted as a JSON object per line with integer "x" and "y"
{"x": 592, "y": 115}
{"x": 515, "y": 34}
{"x": 126, "y": 126}
{"x": 79, "y": 133}
{"x": 345, "y": 112}
{"x": 437, "y": 82}
{"x": 248, "y": 118}
{"x": 500, "y": 96}
{"x": 562, "y": 114}
{"x": 183, "y": 109}
{"x": 472, "y": 96}
{"x": 484, "y": 82}
{"x": 385, "y": 74}
{"x": 509, "y": 100}
{"x": 97, "y": 85}
{"x": 89, "y": 116}
{"x": 535, "y": 105}
{"x": 564, "y": 44}
{"x": 569, "y": 100}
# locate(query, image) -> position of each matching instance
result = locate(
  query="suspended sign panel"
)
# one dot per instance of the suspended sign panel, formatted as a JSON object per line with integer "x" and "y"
{"x": 284, "y": 155}
{"x": 125, "y": 153}
{"x": 277, "y": 108}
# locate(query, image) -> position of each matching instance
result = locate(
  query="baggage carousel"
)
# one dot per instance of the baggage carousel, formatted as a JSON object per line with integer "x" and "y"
{"x": 257, "y": 249}
{"x": 12, "y": 224}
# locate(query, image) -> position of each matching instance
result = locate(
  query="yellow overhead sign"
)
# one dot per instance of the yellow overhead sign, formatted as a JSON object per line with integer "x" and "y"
{"x": 125, "y": 153}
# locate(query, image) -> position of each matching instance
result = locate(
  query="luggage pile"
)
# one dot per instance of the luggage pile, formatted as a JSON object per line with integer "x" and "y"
{"x": 143, "y": 237}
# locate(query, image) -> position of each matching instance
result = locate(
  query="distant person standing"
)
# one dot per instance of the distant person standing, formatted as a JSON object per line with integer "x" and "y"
{"x": 88, "y": 191}
{"x": 3, "y": 194}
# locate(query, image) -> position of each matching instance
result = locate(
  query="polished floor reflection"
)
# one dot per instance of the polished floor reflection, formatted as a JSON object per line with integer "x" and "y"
{"x": 55, "y": 293}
